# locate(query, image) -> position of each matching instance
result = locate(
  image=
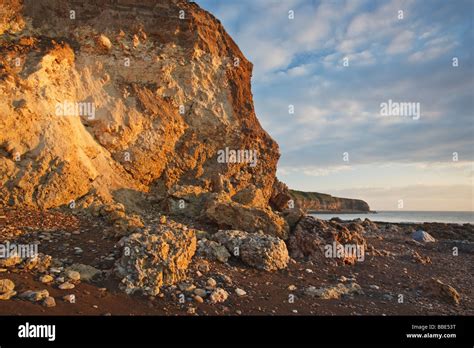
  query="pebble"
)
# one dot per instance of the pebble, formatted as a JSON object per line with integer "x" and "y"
{"x": 307, "y": 270}
{"x": 66, "y": 286}
{"x": 186, "y": 287}
{"x": 240, "y": 292}
{"x": 46, "y": 279}
{"x": 211, "y": 282}
{"x": 34, "y": 295}
{"x": 71, "y": 298}
{"x": 295, "y": 311}
{"x": 375, "y": 287}
{"x": 292, "y": 287}
{"x": 218, "y": 295}
{"x": 73, "y": 275}
{"x": 7, "y": 289}
{"x": 200, "y": 292}
{"x": 198, "y": 299}
{"x": 49, "y": 302}
{"x": 6, "y": 285}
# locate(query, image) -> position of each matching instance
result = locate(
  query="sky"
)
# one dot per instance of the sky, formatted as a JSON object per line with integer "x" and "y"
{"x": 336, "y": 62}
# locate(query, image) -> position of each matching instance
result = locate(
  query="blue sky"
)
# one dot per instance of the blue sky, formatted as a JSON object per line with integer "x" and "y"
{"x": 402, "y": 56}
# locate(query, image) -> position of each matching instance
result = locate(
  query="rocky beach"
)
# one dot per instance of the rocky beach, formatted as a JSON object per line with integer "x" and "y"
{"x": 398, "y": 275}
{"x": 137, "y": 180}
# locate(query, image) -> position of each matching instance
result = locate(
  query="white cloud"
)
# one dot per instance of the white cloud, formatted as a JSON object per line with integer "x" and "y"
{"x": 313, "y": 170}
{"x": 433, "y": 49}
{"x": 401, "y": 43}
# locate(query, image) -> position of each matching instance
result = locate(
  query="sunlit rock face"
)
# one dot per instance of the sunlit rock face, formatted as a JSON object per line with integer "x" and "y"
{"x": 117, "y": 99}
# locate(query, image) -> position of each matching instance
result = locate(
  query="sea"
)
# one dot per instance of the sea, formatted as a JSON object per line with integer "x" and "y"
{"x": 459, "y": 217}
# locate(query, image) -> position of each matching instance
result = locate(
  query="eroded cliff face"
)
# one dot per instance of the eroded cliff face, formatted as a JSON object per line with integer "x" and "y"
{"x": 109, "y": 100}
{"x": 320, "y": 202}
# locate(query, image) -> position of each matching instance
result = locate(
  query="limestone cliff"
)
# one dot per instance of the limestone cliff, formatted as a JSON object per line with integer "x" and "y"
{"x": 321, "y": 202}
{"x": 116, "y": 98}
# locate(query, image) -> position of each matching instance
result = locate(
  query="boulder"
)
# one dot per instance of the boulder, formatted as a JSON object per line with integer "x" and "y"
{"x": 86, "y": 272}
{"x": 257, "y": 250}
{"x": 250, "y": 196}
{"x": 280, "y": 196}
{"x": 212, "y": 250}
{"x": 155, "y": 258}
{"x": 34, "y": 296}
{"x": 312, "y": 237}
{"x": 232, "y": 215}
{"x": 437, "y": 289}
{"x": 422, "y": 236}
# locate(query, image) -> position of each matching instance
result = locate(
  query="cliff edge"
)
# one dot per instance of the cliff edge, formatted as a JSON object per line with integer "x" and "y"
{"x": 131, "y": 102}
{"x": 321, "y": 202}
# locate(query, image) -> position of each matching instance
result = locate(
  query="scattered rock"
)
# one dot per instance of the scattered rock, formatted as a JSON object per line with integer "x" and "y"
{"x": 200, "y": 292}
{"x": 86, "y": 273}
{"x": 240, "y": 292}
{"x": 422, "y": 236}
{"x": 255, "y": 249}
{"x": 198, "y": 299}
{"x": 73, "y": 275}
{"x": 186, "y": 287}
{"x": 420, "y": 259}
{"x": 6, "y": 285}
{"x": 49, "y": 302}
{"x": 334, "y": 292}
{"x": 436, "y": 288}
{"x": 104, "y": 42}
{"x": 34, "y": 296}
{"x": 71, "y": 298}
{"x": 7, "y": 289}
{"x": 218, "y": 295}
{"x": 212, "y": 250}
{"x": 153, "y": 259}
{"x": 45, "y": 279}
{"x": 202, "y": 266}
{"x": 211, "y": 282}
{"x": 241, "y": 217}
{"x": 312, "y": 236}
{"x": 10, "y": 261}
{"x": 66, "y": 286}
